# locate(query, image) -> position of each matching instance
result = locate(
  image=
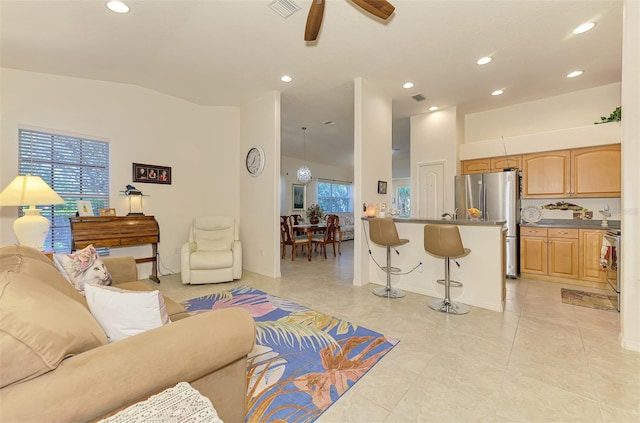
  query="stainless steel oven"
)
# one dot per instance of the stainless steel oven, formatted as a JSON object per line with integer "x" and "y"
{"x": 610, "y": 262}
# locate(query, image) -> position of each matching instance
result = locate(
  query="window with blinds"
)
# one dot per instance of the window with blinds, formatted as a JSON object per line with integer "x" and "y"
{"x": 334, "y": 196}
{"x": 76, "y": 168}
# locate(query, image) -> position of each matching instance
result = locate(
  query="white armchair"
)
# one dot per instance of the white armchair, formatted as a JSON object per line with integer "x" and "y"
{"x": 213, "y": 253}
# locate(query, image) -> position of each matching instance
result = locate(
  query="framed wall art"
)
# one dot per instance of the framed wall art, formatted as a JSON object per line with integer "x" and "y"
{"x": 382, "y": 187}
{"x": 298, "y": 194}
{"x": 151, "y": 174}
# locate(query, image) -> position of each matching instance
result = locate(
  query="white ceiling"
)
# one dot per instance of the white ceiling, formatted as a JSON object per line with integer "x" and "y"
{"x": 228, "y": 53}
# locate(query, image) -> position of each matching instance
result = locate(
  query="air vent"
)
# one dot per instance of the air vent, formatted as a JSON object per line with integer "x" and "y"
{"x": 418, "y": 97}
{"x": 284, "y": 8}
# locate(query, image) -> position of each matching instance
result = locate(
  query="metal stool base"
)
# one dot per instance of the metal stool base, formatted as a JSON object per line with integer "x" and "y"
{"x": 451, "y": 283}
{"x": 393, "y": 269}
{"x": 388, "y": 292}
{"x": 449, "y": 307}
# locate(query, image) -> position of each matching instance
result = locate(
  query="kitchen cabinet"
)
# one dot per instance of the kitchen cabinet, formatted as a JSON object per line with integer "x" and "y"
{"x": 549, "y": 251}
{"x": 490, "y": 164}
{"x": 469, "y": 167}
{"x": 566, "y": 255}
{"x": 590, "y": 245}
{"x": 578, "y": 173}
{"x": 563, "y": 253}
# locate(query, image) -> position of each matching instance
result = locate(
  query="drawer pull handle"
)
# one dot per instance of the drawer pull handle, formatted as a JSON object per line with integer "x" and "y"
{"x": 563, "y": 233}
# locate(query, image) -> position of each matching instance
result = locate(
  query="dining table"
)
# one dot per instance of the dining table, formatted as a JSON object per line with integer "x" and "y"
{"x": 310, "y": 229}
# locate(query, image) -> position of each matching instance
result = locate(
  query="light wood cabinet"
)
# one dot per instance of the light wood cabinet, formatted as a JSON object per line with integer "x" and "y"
{"x": 500, "y": 163}
{"x": 476, "y": 166}
{"x": 546, "y": 175}
{"x": 533, "y": 251}
{"x": 590, "y": 245}
{"x": 595, "y": 171}
{"x": 490, "y": 164}
{"x": 579, "y": 173}
{"x": 563, "y": 253}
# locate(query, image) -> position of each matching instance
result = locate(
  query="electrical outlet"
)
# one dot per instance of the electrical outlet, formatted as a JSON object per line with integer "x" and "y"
{"x": 420, "y": 267}
{"x": 177, "y": 251}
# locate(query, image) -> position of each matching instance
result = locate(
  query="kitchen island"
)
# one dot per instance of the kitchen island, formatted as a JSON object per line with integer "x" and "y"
{"x": 482, "y": 272}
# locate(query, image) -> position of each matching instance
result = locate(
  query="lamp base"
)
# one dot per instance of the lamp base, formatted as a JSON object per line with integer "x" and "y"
{"x": 31, "y": 229}
{"x": 135, "y": 214}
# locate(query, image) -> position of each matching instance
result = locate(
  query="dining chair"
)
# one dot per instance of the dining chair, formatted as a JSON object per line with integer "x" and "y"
{"x": 297, "y": 219}
{"x": 288, "y": 237}
{"x": 328, "y": 237}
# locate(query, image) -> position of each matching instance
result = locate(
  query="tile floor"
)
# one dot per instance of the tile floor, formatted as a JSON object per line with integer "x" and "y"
{"x": 539, "y": 361}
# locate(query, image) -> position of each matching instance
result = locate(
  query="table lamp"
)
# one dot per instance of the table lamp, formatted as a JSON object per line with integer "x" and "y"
{"x": 28, "y": 190}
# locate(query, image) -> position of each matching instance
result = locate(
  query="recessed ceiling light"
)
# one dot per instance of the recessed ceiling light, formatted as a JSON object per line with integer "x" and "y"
{"x": 484, "y": 60}
{"x": 497, "y": 92}
{"x": 117, "y": 6}
{"x": 286, "y": 78}
{"x": 574, "y": 74}
{"x": 407, "y": 85}
{"x": 584, "y": 28}
{"x": 433, "y": 108}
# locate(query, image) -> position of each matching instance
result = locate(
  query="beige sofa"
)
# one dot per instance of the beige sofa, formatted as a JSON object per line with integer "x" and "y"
{"x": 57, "y": 366}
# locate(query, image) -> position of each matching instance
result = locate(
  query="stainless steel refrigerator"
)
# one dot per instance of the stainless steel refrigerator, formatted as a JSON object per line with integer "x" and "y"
{"x": 497, "y": 196}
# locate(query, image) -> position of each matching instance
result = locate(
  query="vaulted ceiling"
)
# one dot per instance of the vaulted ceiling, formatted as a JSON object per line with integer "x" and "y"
{"x": 228, "y": 53}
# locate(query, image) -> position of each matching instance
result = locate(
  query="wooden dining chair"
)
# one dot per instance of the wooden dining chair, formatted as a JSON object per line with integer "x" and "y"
{"x": 288, "y": 237}
{"x": 328, "y": 237}
{"x": 297, "y": 219}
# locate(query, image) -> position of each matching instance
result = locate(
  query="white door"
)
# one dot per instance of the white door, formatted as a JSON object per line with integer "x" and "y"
{"x": 430, "y": 190}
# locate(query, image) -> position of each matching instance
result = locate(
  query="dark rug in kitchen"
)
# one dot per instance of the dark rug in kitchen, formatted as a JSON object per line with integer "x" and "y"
{"x": 589, "y": 299}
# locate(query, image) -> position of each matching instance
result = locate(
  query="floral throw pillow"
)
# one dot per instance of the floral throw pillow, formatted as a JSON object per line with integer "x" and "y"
{"x": 83, "y": 267}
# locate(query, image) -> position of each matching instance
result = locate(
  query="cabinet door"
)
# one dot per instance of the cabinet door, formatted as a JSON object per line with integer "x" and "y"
{"x": 499, "y": 163}
{"x": 590, "y": 245}
{"x": 475, "y": 166}
{"x": 546, "y": 175}
{"x": 563, "y": 258}
{"x": 596, "y": 171}
{"x": 533, "y": 255}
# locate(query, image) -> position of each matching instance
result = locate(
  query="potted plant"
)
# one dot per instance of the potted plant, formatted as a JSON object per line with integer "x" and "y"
{"x": 314, "y": 214}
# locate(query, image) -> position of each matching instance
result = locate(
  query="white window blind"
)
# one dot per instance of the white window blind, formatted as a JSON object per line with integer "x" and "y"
{"x": 76, "y": 168}
{"x": 334, "y": 196}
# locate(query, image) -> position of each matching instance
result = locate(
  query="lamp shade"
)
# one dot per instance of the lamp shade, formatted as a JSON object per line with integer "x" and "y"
{"x": 27, "y": 190}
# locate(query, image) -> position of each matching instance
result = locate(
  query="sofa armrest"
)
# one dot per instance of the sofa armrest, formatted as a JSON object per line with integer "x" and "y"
{"x": 122, "y": 269}
{"x": 96, "y": 382}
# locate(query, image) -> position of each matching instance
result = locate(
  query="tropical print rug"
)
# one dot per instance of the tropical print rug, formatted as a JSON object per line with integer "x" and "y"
{"x": 303, "y": 360}
{"x": 589, "y": 299}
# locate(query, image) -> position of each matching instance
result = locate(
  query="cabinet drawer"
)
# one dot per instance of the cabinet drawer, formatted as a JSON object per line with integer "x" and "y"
{"x": 529, "y": 231}
{"x": 563, "y": 233}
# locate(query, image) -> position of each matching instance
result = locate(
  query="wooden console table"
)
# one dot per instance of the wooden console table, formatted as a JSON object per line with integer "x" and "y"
{"x": 118, "y": 231}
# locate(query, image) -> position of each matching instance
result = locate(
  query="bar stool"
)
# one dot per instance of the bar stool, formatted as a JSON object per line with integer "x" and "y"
{"x": 444, "y": 241}
{"x": 382, "y": 231}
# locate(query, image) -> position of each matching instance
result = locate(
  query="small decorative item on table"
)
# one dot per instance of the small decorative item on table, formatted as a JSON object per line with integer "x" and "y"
{"x": 473, "y": 213}
{"x": 314, "y": 214}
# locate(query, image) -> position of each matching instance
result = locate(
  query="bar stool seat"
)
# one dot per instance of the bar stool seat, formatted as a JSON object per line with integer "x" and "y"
{"x": 382, "y": 231}
{"x": 444, "y": 241}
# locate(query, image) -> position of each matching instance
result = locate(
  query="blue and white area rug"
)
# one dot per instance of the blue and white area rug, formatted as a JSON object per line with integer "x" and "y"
{"x": 303, "y": 360}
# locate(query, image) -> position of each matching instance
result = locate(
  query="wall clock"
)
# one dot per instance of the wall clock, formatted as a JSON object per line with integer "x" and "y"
{"x": 255, "y": 161}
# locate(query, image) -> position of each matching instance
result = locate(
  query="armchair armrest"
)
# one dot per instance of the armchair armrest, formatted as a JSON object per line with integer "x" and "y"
{"x": 236, "y": 250}
{"x": 122, "y": 269}
{"x": 96, "y": 382}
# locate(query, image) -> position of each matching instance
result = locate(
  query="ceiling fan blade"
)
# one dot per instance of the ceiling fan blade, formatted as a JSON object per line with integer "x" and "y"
{"x": 314, "y": 20}
{"x": 380, "y": 8}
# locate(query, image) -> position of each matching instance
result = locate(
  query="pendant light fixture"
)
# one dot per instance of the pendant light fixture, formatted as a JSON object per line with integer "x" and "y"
{"x": 304, "y": 173}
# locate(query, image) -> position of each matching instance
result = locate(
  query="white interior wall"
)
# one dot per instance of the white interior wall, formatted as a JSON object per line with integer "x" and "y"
{"x": 579, "y": 108}
{"x": 260, "y": 196}
{"x": 434, "y": 138}
{"x": 372, "y": 143}
{"x": 142, "y": 126}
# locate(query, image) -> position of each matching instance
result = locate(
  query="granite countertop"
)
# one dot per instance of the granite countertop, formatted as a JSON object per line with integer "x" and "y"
{"x": 459, "y": 222}
{"x": 573, "y": 223}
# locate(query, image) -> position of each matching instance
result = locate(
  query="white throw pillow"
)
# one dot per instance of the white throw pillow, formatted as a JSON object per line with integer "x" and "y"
{"x": 122, "y": 313}
{"x": 82, "y": 267}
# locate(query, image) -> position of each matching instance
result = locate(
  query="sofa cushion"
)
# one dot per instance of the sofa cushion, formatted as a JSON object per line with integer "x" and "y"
{"x": 82, "y": 267}
{"x": 41, "y": 324}
{"x": 123, "y": 313}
